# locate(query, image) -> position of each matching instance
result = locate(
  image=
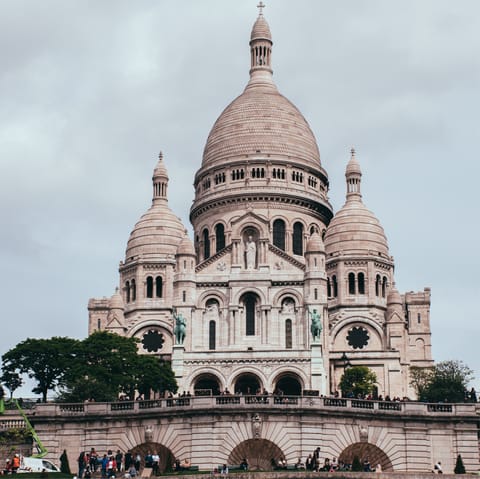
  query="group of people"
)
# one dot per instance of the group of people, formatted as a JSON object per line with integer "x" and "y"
{"x": 12, "y": 465}
{"x": 110, "y": 464}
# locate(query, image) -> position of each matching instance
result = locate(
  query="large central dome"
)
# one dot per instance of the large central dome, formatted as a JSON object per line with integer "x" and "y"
{"x": 261, "y": 120}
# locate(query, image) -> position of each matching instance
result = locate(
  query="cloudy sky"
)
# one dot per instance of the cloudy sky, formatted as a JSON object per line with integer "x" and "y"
{"x": 90, "y": 92}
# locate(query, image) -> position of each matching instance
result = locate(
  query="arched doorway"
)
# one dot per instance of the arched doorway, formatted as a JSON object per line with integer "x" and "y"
{"x": 288, "y": 384}
{"x": 366, "y": 451}
{"x": 247, "y": 383}
{"x": 261, "y": 454}
{"x": 206, "y": 382}
{"x": 167, "y": 459}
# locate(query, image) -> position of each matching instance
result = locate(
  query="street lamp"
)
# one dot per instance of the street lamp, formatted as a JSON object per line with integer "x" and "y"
{"x": 346, "y": 361}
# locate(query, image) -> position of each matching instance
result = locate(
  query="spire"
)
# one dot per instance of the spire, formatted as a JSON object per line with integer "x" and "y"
{"x": 160, "y": 181}
{"x": 261, "y": 50}
{"x": 353, "y": 175}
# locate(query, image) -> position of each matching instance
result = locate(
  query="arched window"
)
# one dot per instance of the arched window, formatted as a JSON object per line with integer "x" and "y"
{"x": 315, "y": 293}
{"x": 384, "y": 287}
{"x": 419, "y": 318}
{"x": 377, "y": 285}
{"x": 279, "y": 234}
{"x": 206, "y": 244}
{"x": 298, "y": 238}
{"x": 250, "y": 301}
{"x": 149, "y": 287}
{"x": 99, "y": 324}
{"x": 212, "y": 335}
{"x": 127, "y": 291}
{"x": 329, "y": 288}
{"x": 219, "y": 237}
{"x": 134, "y": 290}
{"x": 158, "y": 287}
{"x": 361, "y": 283}
{"x": 334, "y": 286}
{"x": 351, "y": 283}
{"x": 184, "y": 296}
{"x": 288, "y": 334}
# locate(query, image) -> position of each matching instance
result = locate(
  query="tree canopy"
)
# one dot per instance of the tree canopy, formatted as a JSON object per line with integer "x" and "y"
{"x": 357, "y": 381}
{"x": 446, "y": 381}
{"x": 100, "y": 368}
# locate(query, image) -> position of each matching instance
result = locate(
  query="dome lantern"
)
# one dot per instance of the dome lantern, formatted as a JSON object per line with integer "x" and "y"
{"x": 353, "y": 175}
{"x": 160, "y": 181}
{"x": 260, "y": 47}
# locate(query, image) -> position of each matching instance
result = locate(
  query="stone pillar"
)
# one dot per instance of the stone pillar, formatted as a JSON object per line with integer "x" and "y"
{"x": 177, "y": 362}
{"x": 318, "y": 376}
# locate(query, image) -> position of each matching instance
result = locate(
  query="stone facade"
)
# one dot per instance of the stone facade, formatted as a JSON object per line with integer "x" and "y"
{"x": 277, "y": 292}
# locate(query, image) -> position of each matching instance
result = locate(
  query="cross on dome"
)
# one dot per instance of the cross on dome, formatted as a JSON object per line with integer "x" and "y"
{"x": 352, "y": 151}
{"x": 160, "y": 156}
{"x": 260, "y": 7}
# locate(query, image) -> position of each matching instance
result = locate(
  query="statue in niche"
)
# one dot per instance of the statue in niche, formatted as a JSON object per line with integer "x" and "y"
{"x": 250, "y": 253}
{"x": 212, "y": 309}
{"x": 316, "y": 325}
{"x": 288, "y": 306}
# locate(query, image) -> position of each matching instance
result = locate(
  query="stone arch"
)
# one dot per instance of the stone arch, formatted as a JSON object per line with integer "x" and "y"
{"x": 145, "y": 328}
{"x": 261, "y": 454}
{"x": 211, "y": 371}
{"x": 218, "y": 295}
{"x": 289, "y": 383}
{"x": 208, "y": 381}
{"x": 250, "y": 289}
{"x": 366, "y": 450}
{"x": 247, "y": 383}
{"x": 167, "y": 459}
{"x": 346, "y": 323}
{"x": 280, "y": 295}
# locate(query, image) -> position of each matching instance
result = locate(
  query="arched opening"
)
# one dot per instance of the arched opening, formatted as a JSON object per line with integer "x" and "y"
{"x": 351, "y": 283}
{"x": 158, "y": 287}
{"x": 289, "y": 385}
{"x": 361, "y": 283}
{"x": 247, "y": 384}
{"x": 384, "y": 287}
{"x": 261, "y": 454}
{"x": 288, "y": 334}
{"x": 206, "y": 244}
{"x": 377, "y": 285}
{"x": 366, "y": 451}
{"x": 207, "y": 382}
{"x": 149, "y": 287}
{"x": 250, "y": 301}
{"x": 279, "y": 234}
{"x": 133, "y": 290}
{"x": 212, "y": 327}
{"x": 334, "y": 286}
{"x": 127, "y": 291}
{"x": 329, "y": 288}
{"x": 167, "y": 459}
{"x": 219, "y": 237}
{"x": 298, "y": 238}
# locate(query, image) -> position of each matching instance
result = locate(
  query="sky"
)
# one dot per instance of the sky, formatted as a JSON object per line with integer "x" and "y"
{"x": 91, "y": 92}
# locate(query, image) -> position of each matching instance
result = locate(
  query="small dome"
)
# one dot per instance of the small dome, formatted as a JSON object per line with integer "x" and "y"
{"x": 160, "y": 169}
{"x": 393, "y": 297}
{"x": 261, "y": 30}
{"x": 186, "y": 246}
{"x": 116, "y": 301}
{"x": 157, "y": 233}
{"x": 353, "y": 166}
{"x": 315, "y": 244}
{"x": 355, "y": 229}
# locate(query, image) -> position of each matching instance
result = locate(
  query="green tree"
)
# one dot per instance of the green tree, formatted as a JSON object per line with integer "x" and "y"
{"x": 12, "y": 381}
{"x": 153, "y": 374}
{"x": 459, "y": 467}
{"x": 44, "y": 360}
{"x": 357, "y": 381}
{"x": 445, "y": 382}
{"x": 104, "y": 367}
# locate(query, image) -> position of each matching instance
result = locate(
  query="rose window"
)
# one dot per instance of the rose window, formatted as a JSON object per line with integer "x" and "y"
{"x": 358, "y": 337}
{"x": 152, "y": 341}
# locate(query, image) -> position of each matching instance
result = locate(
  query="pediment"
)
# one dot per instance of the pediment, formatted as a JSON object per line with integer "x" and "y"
{"x": 249, "y": 216}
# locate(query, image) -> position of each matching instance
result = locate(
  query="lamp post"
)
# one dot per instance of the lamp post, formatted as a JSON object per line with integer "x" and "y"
{"x": 346, "y": 361}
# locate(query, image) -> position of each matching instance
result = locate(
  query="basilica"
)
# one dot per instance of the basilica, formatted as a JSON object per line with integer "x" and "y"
{"x": 275, "y": 292}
